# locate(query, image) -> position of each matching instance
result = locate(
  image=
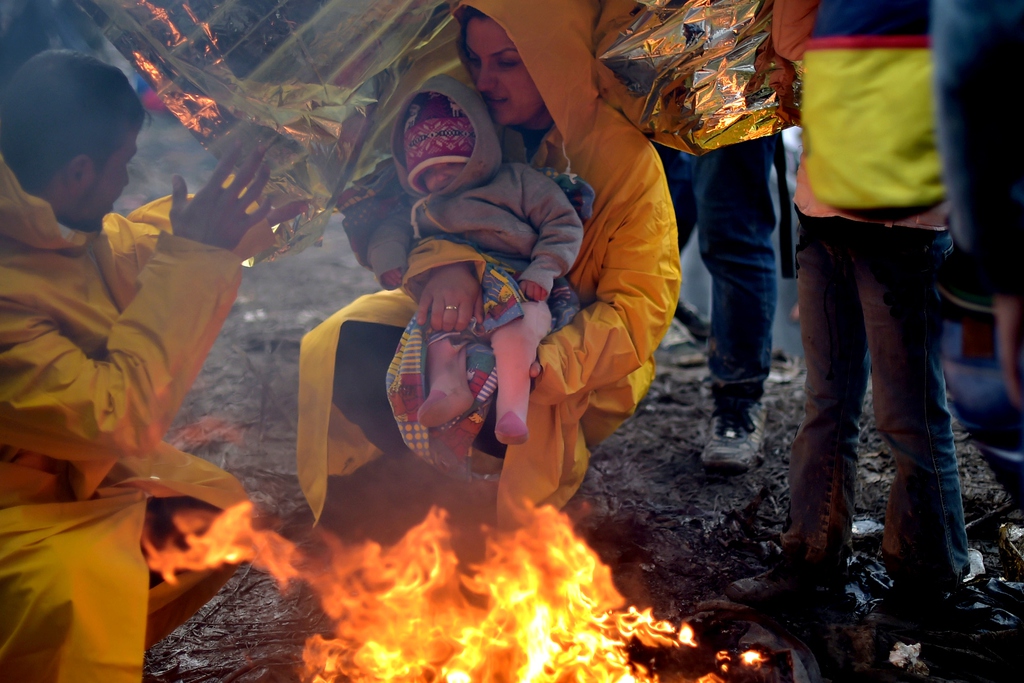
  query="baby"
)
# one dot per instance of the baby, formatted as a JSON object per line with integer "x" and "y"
{"x": 448, "y": 158}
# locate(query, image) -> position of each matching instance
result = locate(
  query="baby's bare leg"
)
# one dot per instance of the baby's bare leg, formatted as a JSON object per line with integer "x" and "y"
{"x": 515, "y": 349}
{"x": 449, "y": 390}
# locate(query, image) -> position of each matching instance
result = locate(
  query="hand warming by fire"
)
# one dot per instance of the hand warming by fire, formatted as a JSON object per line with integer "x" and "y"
{"x": 541, "y": 607}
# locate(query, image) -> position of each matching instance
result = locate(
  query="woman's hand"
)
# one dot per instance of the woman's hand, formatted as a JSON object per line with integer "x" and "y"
{"x": 451, "y": 298}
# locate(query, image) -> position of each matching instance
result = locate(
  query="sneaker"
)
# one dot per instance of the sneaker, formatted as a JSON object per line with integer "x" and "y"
{"x": 737, "y": 436}
{"x": 679, "y": 347}
{"x": 691, "y": 318}
{"x": 784, "y": 581}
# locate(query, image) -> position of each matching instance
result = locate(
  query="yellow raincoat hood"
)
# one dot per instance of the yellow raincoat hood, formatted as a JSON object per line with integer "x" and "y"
{"x": 29, "y": 219}
{"x": 596, "y": 369}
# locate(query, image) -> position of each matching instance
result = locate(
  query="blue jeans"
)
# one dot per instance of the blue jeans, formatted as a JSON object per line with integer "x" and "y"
{"x": 735, "y": 221}
{"x": 983, "y": 407}
{"x": 869, "y": 288}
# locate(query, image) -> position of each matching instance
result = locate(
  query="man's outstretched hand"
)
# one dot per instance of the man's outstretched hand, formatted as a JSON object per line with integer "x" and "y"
{"x": 216, "y": 215}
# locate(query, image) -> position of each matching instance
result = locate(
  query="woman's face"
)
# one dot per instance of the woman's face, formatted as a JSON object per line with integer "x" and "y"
{"x": 502, "y": 78}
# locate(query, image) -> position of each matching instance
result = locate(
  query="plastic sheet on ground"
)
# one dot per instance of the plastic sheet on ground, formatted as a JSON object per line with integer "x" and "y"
{"x": 986, "y": 603}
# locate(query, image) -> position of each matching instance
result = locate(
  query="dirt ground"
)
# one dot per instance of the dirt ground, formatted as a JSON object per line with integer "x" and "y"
{"x": 673, "y": 535}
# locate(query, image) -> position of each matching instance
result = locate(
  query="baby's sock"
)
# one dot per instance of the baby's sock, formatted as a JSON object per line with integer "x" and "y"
{"x": 510, "y": 429}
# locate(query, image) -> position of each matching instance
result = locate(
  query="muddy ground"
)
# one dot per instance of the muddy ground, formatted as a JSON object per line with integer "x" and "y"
{"x": 673, "y": 536}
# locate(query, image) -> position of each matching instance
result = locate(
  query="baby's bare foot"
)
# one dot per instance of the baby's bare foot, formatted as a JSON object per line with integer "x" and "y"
{"x": 511, "y": 430}
{"x": 441, "y": 407}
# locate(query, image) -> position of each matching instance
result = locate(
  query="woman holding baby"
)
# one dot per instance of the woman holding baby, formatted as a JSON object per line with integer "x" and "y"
{"x": 533, "y": 63}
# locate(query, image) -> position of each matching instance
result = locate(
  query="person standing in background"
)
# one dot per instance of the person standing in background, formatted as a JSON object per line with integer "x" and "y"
{"x": 866, "y": 282}
{"x": 735, "y": 222}
{"x": 984, "y": 174}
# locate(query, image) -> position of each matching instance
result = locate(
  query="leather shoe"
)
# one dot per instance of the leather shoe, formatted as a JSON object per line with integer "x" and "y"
{"x": 784, "y": 581}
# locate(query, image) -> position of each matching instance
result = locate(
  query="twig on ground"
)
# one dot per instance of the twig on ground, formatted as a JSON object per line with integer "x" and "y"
{"x": 990, "y": 515}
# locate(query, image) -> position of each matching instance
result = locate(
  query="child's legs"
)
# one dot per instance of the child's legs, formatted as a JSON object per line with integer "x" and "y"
{"x": 449, "y": 394}
{"x": 515, "y": 349}
{"x": 925, "y": 541}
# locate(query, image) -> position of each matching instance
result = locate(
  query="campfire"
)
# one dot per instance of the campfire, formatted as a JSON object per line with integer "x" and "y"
{"x": 540, "y": 608}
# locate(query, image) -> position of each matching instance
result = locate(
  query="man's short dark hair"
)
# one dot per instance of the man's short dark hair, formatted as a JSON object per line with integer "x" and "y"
{"x": 61, "y": 104}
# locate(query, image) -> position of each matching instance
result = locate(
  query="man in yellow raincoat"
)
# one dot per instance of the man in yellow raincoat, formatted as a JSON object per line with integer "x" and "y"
{"x": 104, "y": 325}
{"x": 596, "y": 369}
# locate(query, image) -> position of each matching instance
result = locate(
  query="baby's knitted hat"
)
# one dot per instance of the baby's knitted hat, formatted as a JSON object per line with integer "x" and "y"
{"x": 437, "y": 131}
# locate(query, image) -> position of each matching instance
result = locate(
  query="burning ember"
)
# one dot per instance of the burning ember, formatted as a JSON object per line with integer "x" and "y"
{"x": 540, "y": 608}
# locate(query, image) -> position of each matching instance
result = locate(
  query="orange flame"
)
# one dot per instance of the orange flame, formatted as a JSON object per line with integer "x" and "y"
{"x": 752, "y": 658}
{"x": 230, "y": 539}
{"x": 540, "y": 608}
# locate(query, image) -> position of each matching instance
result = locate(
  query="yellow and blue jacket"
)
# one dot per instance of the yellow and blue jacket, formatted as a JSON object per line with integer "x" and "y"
{"x": 869, "y": 131}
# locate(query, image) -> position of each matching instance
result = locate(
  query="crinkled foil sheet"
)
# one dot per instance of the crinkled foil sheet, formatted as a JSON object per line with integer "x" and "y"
{"x": 703, "y": 73}
{"x": 317, "y": 81}
{"x": 306, "y": 78}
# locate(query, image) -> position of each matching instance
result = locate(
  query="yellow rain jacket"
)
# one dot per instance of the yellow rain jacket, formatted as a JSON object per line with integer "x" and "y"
{"x": 101, "y": 336}
{"x": 596, "y": 369}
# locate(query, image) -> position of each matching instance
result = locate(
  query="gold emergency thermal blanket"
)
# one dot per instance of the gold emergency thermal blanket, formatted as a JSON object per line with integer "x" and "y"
{"x": 699, "y": 74}
{"x": 317, "y": 81}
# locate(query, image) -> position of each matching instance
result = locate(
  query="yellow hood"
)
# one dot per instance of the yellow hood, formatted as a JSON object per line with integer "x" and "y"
{"x": 29, "y": 219}
{"x": 556, "y": 43}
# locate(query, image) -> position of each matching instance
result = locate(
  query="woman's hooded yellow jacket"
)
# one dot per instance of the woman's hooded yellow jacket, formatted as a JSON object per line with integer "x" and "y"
{"x": 94, "y": 363}
{"x": 596, "y": 369}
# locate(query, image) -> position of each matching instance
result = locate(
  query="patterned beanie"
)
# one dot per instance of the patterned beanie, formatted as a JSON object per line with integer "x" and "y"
{"x": 437, "y": 131}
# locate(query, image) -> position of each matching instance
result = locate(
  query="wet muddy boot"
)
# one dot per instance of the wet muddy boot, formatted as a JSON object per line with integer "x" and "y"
{"x": 737, "y": 437}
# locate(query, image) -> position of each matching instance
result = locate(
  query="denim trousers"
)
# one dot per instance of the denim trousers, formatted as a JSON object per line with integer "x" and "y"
{"x": 735, "y": 221}
{"x": 981, "y": 403}
{"x": 868, "y": 304}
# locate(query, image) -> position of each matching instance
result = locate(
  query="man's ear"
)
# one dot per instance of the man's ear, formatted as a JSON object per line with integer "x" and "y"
{"x": 70, "y": 184}
{"x": 77, "y": 176}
